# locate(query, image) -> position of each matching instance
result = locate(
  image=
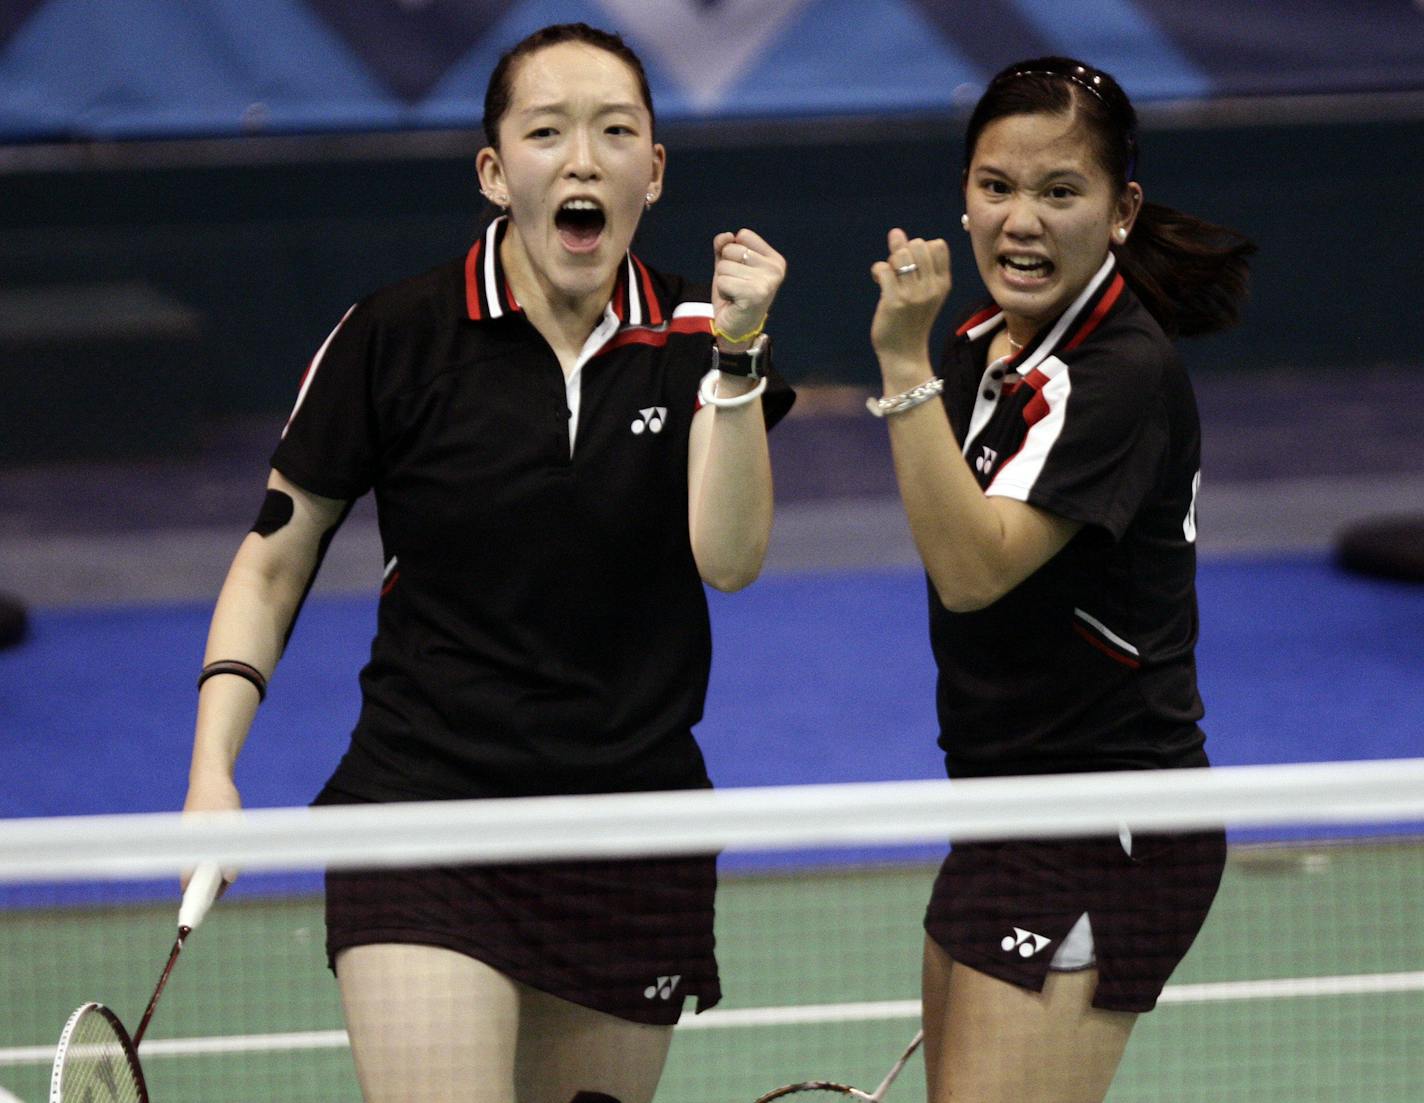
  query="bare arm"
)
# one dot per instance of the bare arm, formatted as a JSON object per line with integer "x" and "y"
{"x": 729, "y": 498}
{"x": 974, "y": 548}
{"x": 254, "y": 612}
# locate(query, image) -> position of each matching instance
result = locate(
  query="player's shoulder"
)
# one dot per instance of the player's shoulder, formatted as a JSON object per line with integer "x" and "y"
{"x": 671, "y": 289}
{"x": 401, "y": 335}
{"x": 436, "y": 294}
{"x": 1128, "y": 347}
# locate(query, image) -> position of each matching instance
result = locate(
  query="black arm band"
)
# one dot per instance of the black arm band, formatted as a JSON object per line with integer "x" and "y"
{"x": 242, "y": 670}
{"x": 276, "y": 511}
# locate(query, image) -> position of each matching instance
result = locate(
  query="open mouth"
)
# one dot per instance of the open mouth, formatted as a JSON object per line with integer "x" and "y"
{"x": 1026, "y": 267}
{"x": 580, "y": 223}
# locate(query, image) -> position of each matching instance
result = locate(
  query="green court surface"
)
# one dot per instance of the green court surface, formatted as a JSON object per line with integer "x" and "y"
{"x": 1307, "y": 986}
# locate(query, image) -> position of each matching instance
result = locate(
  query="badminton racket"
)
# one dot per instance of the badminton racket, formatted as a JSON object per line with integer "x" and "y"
{"x": 828, "y": 1088}
{"x": 97, "y": 1060}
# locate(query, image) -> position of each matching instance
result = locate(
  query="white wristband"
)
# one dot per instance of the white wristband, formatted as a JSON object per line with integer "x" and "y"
{"x": 708, "y": 393}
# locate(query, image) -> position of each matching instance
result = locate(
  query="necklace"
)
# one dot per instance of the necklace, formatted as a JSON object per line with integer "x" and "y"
{"x": 1013, "y": 345}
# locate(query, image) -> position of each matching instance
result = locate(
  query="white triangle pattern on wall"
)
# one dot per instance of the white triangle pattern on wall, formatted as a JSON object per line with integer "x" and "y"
{"x": 706, "y": 48}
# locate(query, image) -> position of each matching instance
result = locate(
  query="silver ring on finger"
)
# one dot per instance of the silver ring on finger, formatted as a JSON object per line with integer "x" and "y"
{"x": 906, "y": 269}
{"x": 745, "y": 254}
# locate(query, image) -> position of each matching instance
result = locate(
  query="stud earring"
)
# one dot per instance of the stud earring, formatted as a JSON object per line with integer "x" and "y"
{"x": 1121, "y": 234}
{"x": 964, "y": 220}
{"x": 648, "y": 200}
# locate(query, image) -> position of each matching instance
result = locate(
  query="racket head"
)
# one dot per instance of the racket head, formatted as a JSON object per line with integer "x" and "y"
{"x": 96, "y": 1062}
{"x": 817, "y": 1089}
{"x": 829, "y": 1089}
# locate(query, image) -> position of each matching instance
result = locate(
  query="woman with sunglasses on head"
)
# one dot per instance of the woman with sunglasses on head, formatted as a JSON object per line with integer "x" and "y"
{"x": 1049, "y": 472}
{"x": 564, "y": 445}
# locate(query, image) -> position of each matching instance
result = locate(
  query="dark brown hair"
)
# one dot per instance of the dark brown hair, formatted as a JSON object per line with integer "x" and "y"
{"x": 1190, "y": 274}
{"x": 501, "y": 82}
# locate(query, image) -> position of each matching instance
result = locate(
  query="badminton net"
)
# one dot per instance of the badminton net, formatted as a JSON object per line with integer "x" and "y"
{"x": 1306, "y": 984}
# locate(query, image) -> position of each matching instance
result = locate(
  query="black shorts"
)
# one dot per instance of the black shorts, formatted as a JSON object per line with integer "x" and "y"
{"x": 631, "y": 938}
{"x": 1003, "y": 908}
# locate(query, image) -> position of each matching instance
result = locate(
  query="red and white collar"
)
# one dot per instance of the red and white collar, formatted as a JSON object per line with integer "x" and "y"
{"x": 1072, "y": 328}
{"x": 488, "y": 294}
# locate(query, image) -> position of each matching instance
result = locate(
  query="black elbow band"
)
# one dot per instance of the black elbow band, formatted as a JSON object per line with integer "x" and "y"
{"x": 276, "y": 511}
{"x": 241, "y": 669}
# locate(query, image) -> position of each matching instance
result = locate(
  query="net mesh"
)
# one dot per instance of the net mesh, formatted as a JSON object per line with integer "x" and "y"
{"x": 1306, "y": 983}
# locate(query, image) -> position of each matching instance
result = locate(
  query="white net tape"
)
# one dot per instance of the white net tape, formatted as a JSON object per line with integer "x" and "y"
{"x": 770, "y": 818}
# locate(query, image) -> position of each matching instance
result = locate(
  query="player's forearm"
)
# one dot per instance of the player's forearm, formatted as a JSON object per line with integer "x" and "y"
{"x": 975, "y": 547}
{"x": 731, "y": 502}
{"x": 254, "y": 613}
{"x": 958, "y": 533}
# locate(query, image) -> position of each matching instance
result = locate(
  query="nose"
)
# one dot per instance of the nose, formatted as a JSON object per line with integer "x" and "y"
{"x": 1021, "y": 219}
{"x": 582, "y": 163}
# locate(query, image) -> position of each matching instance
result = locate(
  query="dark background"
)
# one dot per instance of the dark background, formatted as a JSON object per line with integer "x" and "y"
{"x": 155, "y": 287}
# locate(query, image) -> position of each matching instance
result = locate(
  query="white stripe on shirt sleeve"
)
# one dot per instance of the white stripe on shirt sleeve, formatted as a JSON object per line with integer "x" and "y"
{"x": 1020, "y": 472}
{"x": 635, "y": 298}
{"x": 311, "y": 371}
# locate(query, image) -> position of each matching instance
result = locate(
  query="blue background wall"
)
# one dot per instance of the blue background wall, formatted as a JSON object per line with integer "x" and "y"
{"x": 105, "y": 68}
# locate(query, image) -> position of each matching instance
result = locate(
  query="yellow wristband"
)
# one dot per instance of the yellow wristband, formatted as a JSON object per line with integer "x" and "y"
{"x": 734, "y": 340}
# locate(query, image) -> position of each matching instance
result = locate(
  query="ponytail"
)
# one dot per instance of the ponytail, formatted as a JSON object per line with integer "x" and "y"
{"x": 1190, "y": 274}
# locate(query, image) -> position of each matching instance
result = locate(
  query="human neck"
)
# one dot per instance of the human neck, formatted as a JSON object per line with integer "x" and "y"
{"x": 564, "y": 320}
{"x": 1018, "y": 336}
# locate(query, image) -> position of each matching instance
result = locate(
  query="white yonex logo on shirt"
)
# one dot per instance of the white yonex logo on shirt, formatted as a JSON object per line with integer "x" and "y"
{"x": 1025, "y": 942}
{"x": 662, "y": 989}
{"x": 651, "y": 419}
{"x": 986, "y": 461}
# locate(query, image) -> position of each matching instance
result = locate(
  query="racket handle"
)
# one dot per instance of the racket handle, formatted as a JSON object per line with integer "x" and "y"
{"x": 202, "y": 890}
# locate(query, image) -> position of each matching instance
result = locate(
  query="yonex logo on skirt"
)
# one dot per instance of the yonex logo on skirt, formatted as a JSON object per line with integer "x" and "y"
{"x": 662, "y": 988}
{"x": 1025, "y": 942}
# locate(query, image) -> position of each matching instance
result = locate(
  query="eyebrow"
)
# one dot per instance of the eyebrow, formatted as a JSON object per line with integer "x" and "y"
{"x": 561, "y": 107}
{"x": 1052, "y": 174}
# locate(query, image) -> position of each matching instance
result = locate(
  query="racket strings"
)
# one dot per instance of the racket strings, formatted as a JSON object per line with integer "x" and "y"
{"x": 97, "y": 1066}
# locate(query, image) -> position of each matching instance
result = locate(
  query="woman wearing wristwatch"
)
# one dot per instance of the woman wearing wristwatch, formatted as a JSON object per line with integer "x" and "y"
{"x": 559, "y": 464}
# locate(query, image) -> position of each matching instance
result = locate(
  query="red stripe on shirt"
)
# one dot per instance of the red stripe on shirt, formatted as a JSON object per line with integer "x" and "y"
{"x": 472, "y": 281}
{"x": 977, "y": 319}
{"x": 1111, "y": 653}
{"x": 1036, "y": 409}
{"x": 1099, "y": 313}
{"x": 650, "y": 300}
{"x": 640, "y": 335}
{"x": 620, "y": 296}
{"x": 311, "y": 367}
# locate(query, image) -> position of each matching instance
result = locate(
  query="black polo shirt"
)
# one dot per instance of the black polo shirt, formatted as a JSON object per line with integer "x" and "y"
{"x": 542, "y": 627}
{"x": 1088, "y": 664}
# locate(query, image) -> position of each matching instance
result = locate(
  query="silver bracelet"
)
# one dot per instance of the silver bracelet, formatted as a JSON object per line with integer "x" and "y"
{"x": 899, "y": 403}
